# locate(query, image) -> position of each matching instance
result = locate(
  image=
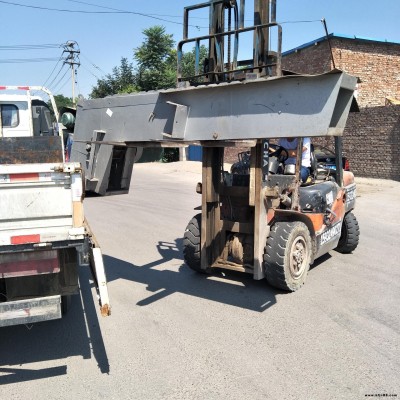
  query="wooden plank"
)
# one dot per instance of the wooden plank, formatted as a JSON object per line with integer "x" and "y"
{"x": 206, "y": 176}
{"x": 212, "y": 238}
{"x": 31, "y": 150}
{"x": 238, "y": 227}
{"x": 220, "y": 263}
{"x": 252, "y": 184}
{"x": 77, "y": 213}
{"x": 261, "y": 228}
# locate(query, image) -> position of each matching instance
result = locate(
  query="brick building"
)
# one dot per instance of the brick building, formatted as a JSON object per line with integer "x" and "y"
{"x": 372, "y": 136}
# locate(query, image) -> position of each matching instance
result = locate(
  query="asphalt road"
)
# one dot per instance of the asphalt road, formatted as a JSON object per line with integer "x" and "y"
{"x": 175, "y": 334}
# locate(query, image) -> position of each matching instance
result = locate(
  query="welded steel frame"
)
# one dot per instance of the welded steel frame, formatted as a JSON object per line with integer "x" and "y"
{"x": 264, "y": 20}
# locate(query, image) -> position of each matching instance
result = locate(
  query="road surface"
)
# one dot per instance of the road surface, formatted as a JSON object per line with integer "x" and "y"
{"x": 175, "y": 334}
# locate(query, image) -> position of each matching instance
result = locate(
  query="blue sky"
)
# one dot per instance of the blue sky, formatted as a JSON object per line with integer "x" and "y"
{"x": 105, "y": 38}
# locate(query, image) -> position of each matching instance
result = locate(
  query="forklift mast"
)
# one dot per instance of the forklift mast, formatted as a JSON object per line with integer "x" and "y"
{"x": 222, "y": 64}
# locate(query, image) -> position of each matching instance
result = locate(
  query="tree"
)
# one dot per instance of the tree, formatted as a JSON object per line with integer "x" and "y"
{"x": 121, "y": 80}
{"x": 155, "y": 70}
{"x": 61, "y": 101}
{"x": 189, "y": 60}
{"x": 156, "y": 60}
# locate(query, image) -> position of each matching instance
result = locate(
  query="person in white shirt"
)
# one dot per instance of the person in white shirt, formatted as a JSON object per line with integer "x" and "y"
{"x": 290, "y": 144}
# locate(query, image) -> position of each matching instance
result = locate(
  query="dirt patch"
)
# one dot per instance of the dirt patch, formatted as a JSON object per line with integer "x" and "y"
{"x": 369, "y": 185}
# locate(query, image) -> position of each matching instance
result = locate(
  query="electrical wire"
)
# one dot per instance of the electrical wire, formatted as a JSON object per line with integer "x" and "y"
{"x": 57, "y": 75}
{"x": 93, "y": 64}
{"x": 96, "y": 12}
{"x": 51, "y": 73}
{"x": 25, "y": 60}
{"x": 55, "y": 86}
{"x": 19, "y": 47}
{"x": 155, "y": 16}
{"x": 62, "y": 86}
{"x": 118, "y": 11}
{"x": 299, "y": 22}
{"x": 90, "y": 72}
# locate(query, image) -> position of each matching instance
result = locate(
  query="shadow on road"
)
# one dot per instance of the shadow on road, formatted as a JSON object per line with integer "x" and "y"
{"x": 227, "y": 287}
{"x": 76, "y": 334}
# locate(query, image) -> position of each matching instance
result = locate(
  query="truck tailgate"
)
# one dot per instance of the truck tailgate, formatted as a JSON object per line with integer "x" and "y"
{"x": 39, "y": 202}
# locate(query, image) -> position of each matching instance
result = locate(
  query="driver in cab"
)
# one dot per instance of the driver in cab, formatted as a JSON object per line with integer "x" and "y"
{"x": 290, "y": 144}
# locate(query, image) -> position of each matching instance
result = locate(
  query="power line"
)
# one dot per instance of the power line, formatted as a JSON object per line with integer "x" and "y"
{"x": 155, "y": 16}
{"x": 25, "y": 60}
{"x": 51, "y": 73}
{"x": 19, "y": 47}
{"x": 56, "y": 76}
{"x": 95, "y": 12}
{"x": 55, "y": 85}
{"x": 58, "y": 88}
{"x": 299, "y": 22}
{"x": 90, "y": 72}
{"x": 94, "y": 65}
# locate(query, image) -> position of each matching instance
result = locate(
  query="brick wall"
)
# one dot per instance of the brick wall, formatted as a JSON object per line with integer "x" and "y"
{"x": 310, "y": 60}
{"x": 376, "y": 64}
{"x": 372, "y": 142}
{"x": 372, "y": 137}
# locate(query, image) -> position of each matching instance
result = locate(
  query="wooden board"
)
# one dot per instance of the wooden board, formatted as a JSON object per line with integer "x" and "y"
{"x": 31, "y": 150}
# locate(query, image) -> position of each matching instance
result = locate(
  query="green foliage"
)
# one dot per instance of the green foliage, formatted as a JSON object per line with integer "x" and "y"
{"x": 155, "y": 66}
{"x": 61, "y": 101}
{"x": 156, "y": 60}
{"x": 155, "y": 69}
{"x": 121, "y": 80}
{"x": 189, "y": 60}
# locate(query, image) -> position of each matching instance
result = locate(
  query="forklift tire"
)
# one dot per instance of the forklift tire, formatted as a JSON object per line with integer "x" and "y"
{"x": 287, "y": 255}
{"x": 350, "y": 234}
{"x": 191, "y": 244}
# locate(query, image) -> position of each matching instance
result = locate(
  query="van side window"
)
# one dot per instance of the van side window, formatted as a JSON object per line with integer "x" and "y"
{"x": 9, "y": 116}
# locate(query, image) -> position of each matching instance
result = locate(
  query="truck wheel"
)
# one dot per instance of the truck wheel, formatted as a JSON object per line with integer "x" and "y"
{"x": 191, "y": 244}
{"x": 287, "y": 255}
{"x": 350, "y": 234}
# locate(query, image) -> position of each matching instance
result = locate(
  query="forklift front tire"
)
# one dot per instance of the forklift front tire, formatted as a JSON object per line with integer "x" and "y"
{"x": 350, "y": 234}
{"x": 287, "y": 255}
{"x": 192, "y": 244}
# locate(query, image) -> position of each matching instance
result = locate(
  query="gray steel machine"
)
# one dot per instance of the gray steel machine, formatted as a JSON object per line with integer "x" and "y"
{"x": 246, "y": 218}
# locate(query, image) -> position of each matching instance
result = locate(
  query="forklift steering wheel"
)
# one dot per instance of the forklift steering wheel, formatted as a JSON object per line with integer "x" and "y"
{"x": 279, "y": 152}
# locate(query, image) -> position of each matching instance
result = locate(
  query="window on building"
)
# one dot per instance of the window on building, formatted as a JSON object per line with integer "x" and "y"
{"x": 9, "y": 116}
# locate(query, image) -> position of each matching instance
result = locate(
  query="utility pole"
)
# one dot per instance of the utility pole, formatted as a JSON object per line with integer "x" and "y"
{"x": 72, "y": 59}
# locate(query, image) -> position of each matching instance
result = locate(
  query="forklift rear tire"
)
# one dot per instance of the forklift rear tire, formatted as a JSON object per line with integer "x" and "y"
{"x": 350, "y": 234}
{"x": 191, "y": 244}
{"x": 287, "y": 255}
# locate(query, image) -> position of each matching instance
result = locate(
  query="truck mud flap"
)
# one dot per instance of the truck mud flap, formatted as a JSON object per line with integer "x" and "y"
{"x": 30, "y": 310}
{"x": 94, "y": 258}
{"x": 97, "y": 265}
